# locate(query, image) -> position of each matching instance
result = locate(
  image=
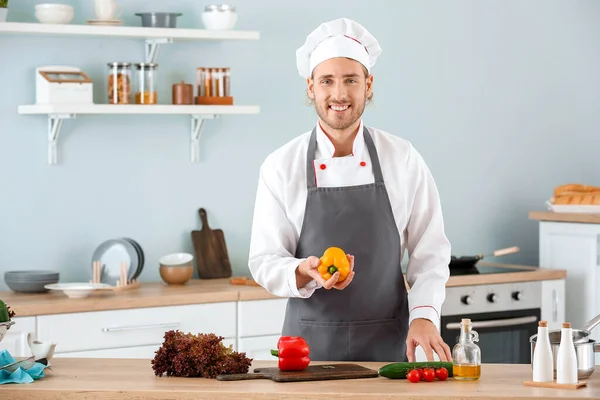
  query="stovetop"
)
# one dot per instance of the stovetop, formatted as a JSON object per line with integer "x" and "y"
{"x": 483, "y": 269}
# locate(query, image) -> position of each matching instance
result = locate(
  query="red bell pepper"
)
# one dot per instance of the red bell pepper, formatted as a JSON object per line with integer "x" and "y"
{"x": 293, "y": 353}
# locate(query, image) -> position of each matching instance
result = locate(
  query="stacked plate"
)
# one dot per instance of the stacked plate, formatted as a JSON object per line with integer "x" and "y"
{"x": 112, "y": 253}
{"x": 30, "y": 281}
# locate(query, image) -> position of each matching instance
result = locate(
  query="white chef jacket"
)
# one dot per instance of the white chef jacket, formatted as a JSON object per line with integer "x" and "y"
{"x": 281, "y": 201}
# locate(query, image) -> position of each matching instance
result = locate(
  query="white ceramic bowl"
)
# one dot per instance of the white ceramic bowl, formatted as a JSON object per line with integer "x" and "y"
{"x": 54, "y": 13}
{"x": 219, "y": 21}
{"x": 176, "y": 260}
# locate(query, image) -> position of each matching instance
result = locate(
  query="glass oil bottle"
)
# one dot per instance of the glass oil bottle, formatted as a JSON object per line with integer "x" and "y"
{"x": 466, "y": 355}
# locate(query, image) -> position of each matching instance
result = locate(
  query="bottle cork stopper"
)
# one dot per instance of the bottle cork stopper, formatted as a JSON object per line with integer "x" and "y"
{"x": 465, "y": 321}
{"x": 566, "y": 325}
{"x": 543, "y": 324}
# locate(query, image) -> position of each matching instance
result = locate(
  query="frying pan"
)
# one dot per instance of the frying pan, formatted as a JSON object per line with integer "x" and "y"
{"x": 470, "y": 261}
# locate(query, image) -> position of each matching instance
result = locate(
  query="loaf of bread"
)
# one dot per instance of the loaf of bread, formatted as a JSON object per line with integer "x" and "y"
{"x": 576, "y": 194}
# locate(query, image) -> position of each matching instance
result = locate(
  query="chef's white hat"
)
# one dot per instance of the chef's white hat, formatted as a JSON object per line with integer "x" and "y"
{"x": 339, "y": 38}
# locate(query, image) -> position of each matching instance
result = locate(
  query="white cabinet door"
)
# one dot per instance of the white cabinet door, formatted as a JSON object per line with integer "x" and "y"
{"x": 259, "y": 348}
{"x": 261, "y": 317}
{"x": 134, "y": 327}
{"x": 553, "y": 303}
{"x": 15, "y": 340}
{"x": 126, "y": 352}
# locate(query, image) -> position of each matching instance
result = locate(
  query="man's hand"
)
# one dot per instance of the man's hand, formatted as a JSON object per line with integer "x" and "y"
{"x": 424, "y": 333}
{"x": 307, "y": 271}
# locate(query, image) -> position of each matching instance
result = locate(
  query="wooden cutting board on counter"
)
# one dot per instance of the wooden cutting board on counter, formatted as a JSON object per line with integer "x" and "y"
{"x": 311, "y": 373}
{"x": 212, "y": 259}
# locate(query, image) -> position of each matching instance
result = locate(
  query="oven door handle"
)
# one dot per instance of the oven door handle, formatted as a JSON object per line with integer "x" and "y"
{"x": 495, "y": 323}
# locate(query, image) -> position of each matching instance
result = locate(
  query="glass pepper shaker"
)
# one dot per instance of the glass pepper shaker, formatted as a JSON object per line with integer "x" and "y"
{"x": 466, "y": 355}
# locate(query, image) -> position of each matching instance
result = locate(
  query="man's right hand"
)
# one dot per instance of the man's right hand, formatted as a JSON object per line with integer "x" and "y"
{"x": 307, "y": 271}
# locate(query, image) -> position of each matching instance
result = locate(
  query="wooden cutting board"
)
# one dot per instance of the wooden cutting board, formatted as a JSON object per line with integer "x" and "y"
{"x": 311, "y": 373}
{"x": 212, "y": 259}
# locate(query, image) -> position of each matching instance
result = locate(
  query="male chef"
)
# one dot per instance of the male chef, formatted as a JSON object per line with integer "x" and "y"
{"x": 361, "y": 189}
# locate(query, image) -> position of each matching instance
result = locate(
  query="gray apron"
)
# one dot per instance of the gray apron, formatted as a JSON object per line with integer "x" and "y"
{"x": 368, "y": 320}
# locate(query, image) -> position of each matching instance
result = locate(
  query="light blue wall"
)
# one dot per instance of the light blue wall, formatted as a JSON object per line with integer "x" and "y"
{"x": 501, "y": 97}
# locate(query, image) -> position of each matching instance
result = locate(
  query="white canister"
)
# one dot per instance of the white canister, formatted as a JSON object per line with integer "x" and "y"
{"x": 219, "y": 17}
{"x": 566, "y": 360}
{"x": 543, "y": 361}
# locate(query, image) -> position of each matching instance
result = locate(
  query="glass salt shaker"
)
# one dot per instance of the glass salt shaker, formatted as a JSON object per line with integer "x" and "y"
{"x": 146, "y": 83}
{"x": 466, "y": 355}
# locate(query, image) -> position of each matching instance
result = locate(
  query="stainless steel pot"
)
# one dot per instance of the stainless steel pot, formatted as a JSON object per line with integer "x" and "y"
{"x": 585, "y": 354}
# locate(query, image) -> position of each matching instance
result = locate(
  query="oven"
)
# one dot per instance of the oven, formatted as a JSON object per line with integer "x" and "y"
{"x": 504, "y": 316}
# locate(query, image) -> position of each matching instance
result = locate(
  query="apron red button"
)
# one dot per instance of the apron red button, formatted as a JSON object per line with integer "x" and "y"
{"x": 362, "y": 163}
{"x": 323, "y": 166}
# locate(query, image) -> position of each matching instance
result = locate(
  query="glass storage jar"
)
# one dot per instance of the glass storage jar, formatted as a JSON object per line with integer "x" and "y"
{"x": 119, "y": 83}
{"x": 466, "y": 355}
{"x": 146, "y": 83}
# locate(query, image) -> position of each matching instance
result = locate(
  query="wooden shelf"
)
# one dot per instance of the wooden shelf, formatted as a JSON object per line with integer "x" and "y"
{"x": 126, "y": 31}
{"x": 56, "y": 113}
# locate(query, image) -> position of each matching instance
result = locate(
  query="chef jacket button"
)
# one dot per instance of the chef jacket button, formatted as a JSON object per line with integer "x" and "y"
{"x": 362, "y": 163}
{"x": 323, "y": 166}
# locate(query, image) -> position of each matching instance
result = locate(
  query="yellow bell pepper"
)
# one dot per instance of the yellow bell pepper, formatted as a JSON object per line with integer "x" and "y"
{"x": 334, "y": 259}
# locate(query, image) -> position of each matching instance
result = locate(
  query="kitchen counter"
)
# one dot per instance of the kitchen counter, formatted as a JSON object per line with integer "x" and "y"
{"x": 158, "y": 294}
{"x": 564, "y": 217}
{"x": 133, "y": 378}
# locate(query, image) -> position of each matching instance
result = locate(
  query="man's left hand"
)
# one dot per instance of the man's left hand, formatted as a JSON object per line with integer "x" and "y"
{"x": 424, "y": 333}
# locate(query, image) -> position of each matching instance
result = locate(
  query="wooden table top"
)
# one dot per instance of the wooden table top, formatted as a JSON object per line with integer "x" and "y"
{"x": 135, "y": 379}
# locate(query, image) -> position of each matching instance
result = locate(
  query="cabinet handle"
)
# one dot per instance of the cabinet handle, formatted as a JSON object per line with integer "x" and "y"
{"x": 554, "y": 305}
{"x": 131, "y": 328}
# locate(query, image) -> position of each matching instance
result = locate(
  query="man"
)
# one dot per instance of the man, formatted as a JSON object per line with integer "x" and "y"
{"x": 363, "y": 190}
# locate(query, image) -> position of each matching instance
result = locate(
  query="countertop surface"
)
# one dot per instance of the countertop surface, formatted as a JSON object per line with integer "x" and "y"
{"x": 135, "y": 379}
{"x": 196, "y": 291}
{"x": 564, "y": 217}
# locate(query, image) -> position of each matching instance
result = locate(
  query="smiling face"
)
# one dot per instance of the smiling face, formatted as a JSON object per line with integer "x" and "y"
{"x": 340, "y": 88}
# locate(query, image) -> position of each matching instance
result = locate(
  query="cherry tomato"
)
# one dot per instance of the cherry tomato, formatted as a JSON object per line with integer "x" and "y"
{"x": 428, "y": 374}
{"x": 413, "y": 376}
{"x": 419, "y": 373}
{"x": 441, "y": 373}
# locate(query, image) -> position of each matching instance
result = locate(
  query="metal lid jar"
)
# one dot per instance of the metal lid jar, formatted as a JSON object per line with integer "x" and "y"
{"x": 219, "y": 17}
{"x": 146, "y": 83}
{"x": 119, "y": 82}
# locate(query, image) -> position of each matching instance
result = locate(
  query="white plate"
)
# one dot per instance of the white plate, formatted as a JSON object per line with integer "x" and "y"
{"x": 111, "y": 254}
{"x": 77, "y": 290}
{"x": 577, "y": 209}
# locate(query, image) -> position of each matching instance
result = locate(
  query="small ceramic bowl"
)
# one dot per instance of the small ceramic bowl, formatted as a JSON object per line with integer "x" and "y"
{"x": 50, "y": 13}
{"x": 176, "y": 275}
{"x": 177, "y": 268}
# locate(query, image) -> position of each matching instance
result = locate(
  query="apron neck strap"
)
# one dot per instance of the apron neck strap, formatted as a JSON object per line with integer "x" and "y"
{"x": 312, "y": 148}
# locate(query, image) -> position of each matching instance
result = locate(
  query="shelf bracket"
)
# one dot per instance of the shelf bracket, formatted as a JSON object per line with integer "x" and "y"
{"x": 54, "y": 125}
{"x": 197, "y": 125}
{"x": 152, "y": 48}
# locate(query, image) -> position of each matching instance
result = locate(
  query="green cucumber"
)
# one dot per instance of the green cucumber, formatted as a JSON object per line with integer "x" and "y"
{"x": 400, "y": 369}
{"x": 3, "y": 312}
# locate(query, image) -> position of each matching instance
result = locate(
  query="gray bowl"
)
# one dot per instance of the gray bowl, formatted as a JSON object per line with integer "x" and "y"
{"x": 23, "y": 286}
{"x": 159, "y": 19}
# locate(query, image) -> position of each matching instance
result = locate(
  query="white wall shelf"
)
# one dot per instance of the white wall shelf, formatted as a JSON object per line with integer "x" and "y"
{"x": 56, "y": 113}
{"x": 153, "y": 36}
